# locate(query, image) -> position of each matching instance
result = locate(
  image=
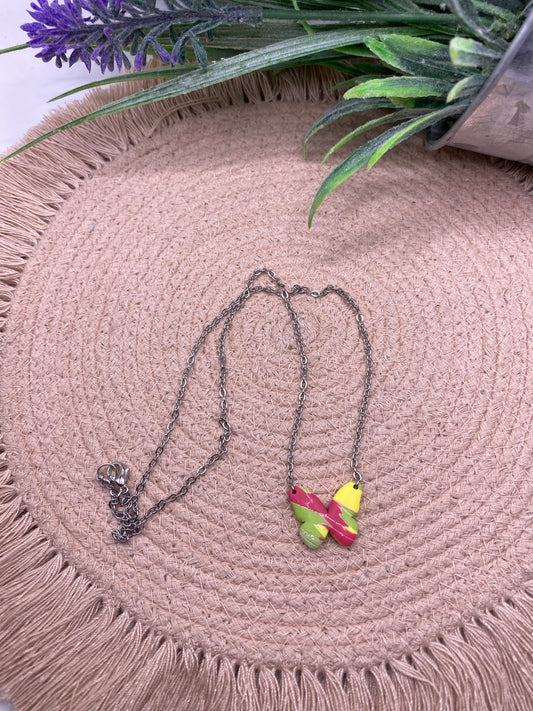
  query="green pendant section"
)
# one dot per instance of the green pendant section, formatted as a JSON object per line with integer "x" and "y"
{"x": 313, "y": 530}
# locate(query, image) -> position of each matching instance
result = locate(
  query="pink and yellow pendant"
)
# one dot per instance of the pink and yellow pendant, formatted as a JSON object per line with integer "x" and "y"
{"x": 317, "y": 520}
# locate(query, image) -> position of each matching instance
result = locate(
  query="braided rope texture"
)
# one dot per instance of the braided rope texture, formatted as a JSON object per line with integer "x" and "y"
{"x": 119, "y": 241}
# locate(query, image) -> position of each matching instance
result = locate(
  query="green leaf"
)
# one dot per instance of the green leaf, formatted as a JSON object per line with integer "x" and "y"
{"x": 513, "y": 6}
{"x": 344, "y": 108}
{"x": 343, "y": 171}
{"x": 423, "y": 48}
{"x": 466, "y": 87}
{"x": 470, "y": 53}
{"x": 359, "y": 69}
{"x": 408, "y": 46}
{"x": 408, "y": 6}
{"x": 495, "y": 10}
{"x": 246, "y": 37}
{"x": 415, "y": 55}
{"x": 214, "y": 73}
{"x": 405, "y": 130}
{"x": 357, "y": 51}
{"x": 347, "y": 83}
{"x": 393, "y": 117}
{"x": 363, "y": 154}
{"x": 364, "y": 78}
{"x": 133, "y": 76}
{"x": 469, "y": 17}
{"x": 381, "y": 16}
{"x": 399, "y": 86}
{"x": 406, "y": 101}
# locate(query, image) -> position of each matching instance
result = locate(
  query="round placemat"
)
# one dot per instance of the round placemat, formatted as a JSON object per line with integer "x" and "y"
{"x": 120, "y": 241}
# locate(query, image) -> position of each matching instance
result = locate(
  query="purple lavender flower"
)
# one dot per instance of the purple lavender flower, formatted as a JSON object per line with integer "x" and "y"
{"x": 54, "y": 27}
{"x": 113, "y": 26}
{"x": 62, "y": 26}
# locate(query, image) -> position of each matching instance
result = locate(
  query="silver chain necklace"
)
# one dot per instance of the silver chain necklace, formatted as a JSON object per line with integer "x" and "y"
{"x": 317, "y": 520}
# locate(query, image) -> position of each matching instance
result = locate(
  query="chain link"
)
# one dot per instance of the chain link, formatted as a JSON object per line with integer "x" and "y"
{"x": 113, "y": 475}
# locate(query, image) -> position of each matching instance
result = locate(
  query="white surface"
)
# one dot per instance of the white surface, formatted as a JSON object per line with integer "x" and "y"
{"x": 26, "y": 84}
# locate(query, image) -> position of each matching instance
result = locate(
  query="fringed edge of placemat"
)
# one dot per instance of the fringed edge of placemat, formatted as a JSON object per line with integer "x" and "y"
{"x": 63, "y": 643}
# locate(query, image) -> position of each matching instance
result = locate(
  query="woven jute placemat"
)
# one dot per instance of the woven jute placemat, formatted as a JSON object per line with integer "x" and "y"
{"x": 119, "y": 241}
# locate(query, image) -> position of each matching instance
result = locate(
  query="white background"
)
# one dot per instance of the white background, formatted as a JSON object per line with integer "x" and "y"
{"x": 26, "y": 84}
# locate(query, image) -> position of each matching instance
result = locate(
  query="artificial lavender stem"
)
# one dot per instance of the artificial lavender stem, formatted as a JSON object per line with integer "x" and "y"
{"x": 114, "y": 25}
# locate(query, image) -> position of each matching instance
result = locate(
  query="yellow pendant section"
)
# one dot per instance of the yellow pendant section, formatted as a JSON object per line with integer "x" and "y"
{"x": 349, "y": 496}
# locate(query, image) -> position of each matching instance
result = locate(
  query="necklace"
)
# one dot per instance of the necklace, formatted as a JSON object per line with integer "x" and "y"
{"x": 316, "y": 520}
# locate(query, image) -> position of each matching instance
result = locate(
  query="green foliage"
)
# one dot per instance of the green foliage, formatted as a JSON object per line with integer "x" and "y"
{"x": 419, "y": 61}
{"x": 466, "y": 52}
{"x": 415, "y": 55}
{"x": 466, "y": 87}
{"x": 398, "y": 86}
{"x": 473, "y": 22}
{"x": 374, "y": 149}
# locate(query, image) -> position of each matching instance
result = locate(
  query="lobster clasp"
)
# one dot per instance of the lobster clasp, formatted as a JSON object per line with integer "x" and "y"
{"x": 112, "y": 476}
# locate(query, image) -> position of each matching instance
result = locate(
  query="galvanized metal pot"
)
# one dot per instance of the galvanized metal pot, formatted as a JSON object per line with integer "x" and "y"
{"x": 500, "y": 120}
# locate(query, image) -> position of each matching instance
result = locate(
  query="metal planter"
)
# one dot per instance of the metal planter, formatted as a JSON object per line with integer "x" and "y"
{"x": 500, "y": 120}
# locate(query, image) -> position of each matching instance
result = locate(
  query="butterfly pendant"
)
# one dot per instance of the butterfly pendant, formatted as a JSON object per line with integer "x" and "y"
{"x": 318, "y": 521}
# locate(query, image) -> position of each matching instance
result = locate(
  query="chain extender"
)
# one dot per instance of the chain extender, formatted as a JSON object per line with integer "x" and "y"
{"x": 113, "y": 476}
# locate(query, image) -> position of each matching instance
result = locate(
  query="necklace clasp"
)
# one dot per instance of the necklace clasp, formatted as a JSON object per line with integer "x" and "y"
{"x": 114, "y": 477}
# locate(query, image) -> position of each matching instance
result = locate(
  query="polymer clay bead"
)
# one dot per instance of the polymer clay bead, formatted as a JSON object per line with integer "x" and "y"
{"x": 312, "y": 513}
{"x": 317, "y": 520}
{"x": 341, "y": 513}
